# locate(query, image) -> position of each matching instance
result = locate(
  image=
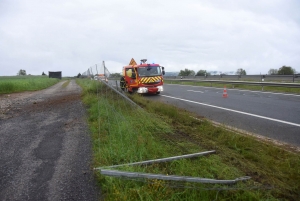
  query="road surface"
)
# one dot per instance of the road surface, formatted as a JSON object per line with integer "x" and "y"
{"x": 273, "y": 115}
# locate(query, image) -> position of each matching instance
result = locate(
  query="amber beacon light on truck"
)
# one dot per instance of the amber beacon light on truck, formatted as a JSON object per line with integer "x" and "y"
{"x": 143, "y": 78}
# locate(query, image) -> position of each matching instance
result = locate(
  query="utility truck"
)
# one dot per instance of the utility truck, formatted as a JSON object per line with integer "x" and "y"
{"x": 143, "y": 78}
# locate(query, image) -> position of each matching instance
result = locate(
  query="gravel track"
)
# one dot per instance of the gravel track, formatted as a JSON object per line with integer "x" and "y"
{"x": 45, "y": 146}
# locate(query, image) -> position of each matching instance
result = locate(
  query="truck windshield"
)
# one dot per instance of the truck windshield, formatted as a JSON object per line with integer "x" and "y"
{"x": 149, "y": 71}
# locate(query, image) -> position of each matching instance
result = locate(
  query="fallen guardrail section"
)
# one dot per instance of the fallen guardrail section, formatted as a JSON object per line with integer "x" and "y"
{"x": 116, "y": 173}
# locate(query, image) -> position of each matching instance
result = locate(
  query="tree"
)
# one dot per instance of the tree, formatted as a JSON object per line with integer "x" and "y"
{"x": 115, "y": 75}
{"x": 21, "y": 72}
{"x": 43, "y": 73}
{"x": 78, "y": 76}
{"x": 202, "y": 73}
{"x": 273, "y": 71}
{"x": 241, "y": 71}
{"x": 286, "y": 70}
{"x": 186, "y": 72}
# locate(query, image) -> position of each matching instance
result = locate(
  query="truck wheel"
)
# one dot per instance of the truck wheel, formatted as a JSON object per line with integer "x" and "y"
{"x": 134, "y": 90}
{"x": 157, "y": 92}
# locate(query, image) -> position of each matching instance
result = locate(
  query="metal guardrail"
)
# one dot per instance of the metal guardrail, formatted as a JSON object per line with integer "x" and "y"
{"x": 118, "y": 173}
{"x": 274, "y": 84}
{"x": 254, "y": 78}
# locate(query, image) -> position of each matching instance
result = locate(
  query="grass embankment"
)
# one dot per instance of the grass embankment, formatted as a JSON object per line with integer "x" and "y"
{"x": 12, "y": 84}
{"x": 123, "y": 134}
{"x": 238, "y": 86}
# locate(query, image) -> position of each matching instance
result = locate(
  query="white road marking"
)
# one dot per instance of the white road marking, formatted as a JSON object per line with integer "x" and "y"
{"x": 196, "y": 91}
{"x": 267, "y": 92}
{"x": 236, "y": 111}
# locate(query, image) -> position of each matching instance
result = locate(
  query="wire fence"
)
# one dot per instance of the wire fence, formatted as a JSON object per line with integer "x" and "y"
{"x": 96, "y": 71}
{"x": 113, "y": 104}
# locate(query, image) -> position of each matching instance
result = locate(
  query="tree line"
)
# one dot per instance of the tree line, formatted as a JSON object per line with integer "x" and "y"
{"x": 187, "y": 72}
{"x": 284, "y": 70}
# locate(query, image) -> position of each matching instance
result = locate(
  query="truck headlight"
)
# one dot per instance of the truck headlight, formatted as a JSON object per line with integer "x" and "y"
{"x": 160, "y": 88}
{"x": 142, "y": 90}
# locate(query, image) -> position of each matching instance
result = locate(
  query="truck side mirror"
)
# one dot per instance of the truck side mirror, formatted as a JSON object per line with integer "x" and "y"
{"x": 163, "y": 72}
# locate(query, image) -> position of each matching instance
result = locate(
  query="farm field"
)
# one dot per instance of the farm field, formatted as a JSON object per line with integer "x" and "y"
{"x": 13, "y": 84}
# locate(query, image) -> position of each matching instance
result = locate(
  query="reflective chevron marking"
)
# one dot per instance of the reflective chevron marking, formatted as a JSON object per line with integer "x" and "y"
{"x": 149, "y": 79}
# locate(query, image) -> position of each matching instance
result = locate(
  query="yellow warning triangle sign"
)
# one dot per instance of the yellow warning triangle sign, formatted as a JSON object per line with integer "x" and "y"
{"x": 132, "y": 62}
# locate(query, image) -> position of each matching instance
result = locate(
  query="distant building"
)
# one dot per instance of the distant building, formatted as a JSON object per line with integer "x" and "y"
{"x": 56, "y": 74}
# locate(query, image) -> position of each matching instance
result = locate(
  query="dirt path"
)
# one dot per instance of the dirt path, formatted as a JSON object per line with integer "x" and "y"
{"x": 45, "y": 148}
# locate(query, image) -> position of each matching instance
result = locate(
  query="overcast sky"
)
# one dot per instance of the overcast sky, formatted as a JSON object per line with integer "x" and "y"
{"x": 213, "y": 35}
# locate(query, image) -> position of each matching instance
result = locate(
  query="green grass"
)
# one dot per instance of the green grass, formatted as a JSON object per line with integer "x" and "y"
{"x": 123, "y": 134}
{"x": 238, "y": 86}
{"x": 12, "y": 84}
{"x": 65, "y": 84}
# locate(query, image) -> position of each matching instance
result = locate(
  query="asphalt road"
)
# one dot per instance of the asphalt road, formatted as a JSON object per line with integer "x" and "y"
{"x": 272, "y": 115}
{"x": 276, "y": 116}
{"x": 45, "y": 146}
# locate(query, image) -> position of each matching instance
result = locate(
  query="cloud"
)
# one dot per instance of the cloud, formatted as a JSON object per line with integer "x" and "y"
{"x": 70, "y": 36}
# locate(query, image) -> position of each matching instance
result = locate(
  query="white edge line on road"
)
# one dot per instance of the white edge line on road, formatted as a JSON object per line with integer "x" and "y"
{"x": 196, "y": 91}
{"x": 263, "y": 92}
{"x": 236, "y": 111}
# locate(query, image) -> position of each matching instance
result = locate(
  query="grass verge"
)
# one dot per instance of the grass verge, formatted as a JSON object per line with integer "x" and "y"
{"x": 238, "y": 86}
{"x": 66, "y": 83}
{"x": 12, "y": 84}
{"x": 123, "y": 134}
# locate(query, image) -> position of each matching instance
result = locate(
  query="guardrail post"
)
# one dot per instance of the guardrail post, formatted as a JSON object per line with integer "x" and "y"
{"x": 117, "y": 85}
{"x": 294, "y": 77}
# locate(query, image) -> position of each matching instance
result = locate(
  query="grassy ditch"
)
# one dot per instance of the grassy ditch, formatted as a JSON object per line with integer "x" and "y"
{"x": 238, "y": 86}
{"x": 12, "y": 84}
{"x": 123, "y": 133}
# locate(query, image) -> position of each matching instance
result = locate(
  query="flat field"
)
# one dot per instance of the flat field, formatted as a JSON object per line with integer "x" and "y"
{"x": 12, "y": 84}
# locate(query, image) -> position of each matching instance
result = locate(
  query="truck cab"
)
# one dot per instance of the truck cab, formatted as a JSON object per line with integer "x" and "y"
{"x": 143, "y": 78}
